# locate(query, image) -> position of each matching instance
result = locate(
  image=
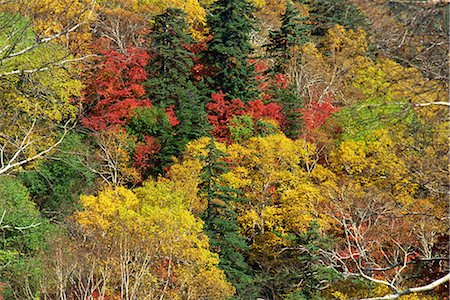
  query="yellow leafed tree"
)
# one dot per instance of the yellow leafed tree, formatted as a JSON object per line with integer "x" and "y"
{"x": 283, "y": 185}
{"x": 283, "y": 182}
{"x": 153, "y": 245}
{"x": 64, "y": 21}
{"x": 35, "y": 94}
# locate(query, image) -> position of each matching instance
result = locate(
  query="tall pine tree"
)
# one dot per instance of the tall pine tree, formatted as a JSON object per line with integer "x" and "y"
{"x": 283, "y": 49}
{"x": 170, "y": 85}
{"x": 324, "y": 14}
{"x": 221, "y": 224}
{"x": 230, "y": 23}
{"x": 294, "y": 31}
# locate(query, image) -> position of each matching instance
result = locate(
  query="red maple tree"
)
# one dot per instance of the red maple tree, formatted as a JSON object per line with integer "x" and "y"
{"x": 316, "y": 113}
{"x": 222, "y": 111}
{"x": 115, "y": 88}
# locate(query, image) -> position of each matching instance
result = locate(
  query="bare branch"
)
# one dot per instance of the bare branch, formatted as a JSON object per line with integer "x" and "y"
{"x": 49, "y": 66}
{"x": 11, "y": 164}
{"x": 421, "y": 289}
{"x": 432, "y": 103}
{"x": 42, "y": 41}
{"x": 21, "y": 228}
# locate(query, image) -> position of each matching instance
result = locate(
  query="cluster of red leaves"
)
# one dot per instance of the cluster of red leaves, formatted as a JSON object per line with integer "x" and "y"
{"x": 260, "y": 66}
{"x": 261, "y": 76}
{"x": 145, "y": 152}
{"x": 115, "y": 88}
{"x": 97, "y": 296}
{"x": 282, "y": 81}
{"x": 268, "y": 83}
{"x": 258, "y": 110}
{"x": 221, "y": 111}
{"x": 170, "y": 112}
{"x": 316, "y": 113}
{"x": 199, "y": 70}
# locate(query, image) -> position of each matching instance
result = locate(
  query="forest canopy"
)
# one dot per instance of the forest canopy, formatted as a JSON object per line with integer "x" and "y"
{"x": 224, "y": 149}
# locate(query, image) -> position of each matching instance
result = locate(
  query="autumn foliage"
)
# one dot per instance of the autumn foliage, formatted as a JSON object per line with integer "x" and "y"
{"x": 221, "y": 112}
{"x": 316, "y": 113}
{"x": 223, "y": 149}
{"x": 115, "y": 88}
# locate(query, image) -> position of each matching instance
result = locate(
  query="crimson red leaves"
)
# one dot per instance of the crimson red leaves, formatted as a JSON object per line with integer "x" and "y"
{"x": 115, "y": 88}
{"x": 316, "y": 113}
{"x": 221, "y": 111}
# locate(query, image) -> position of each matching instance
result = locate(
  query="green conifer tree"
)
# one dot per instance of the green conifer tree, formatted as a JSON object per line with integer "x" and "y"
{"x": 221, "y": 225}
{"x": 170, "y": 84}
{"x": 292, "y": 32}
{"x": 324, "y": 14}
{"x": 291, "y": 102}
{"x": 230, "y": 23}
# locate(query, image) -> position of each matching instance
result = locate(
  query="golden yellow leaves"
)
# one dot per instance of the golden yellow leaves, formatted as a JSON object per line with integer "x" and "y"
{"x": 280, "y": 178}
{"x": 193, "y": 9}
{"x": 67, "y": 20}
{"x": 101, "y": 211}
{"x": 185, "y": 176}
{"x": 374, "y": 161}
{"x": 259, "y": 3}
{"x": 281, "y": 181}
{"x": 152, "y": 224}
{"x": 256, "y": 3}
{"x": 331, "y": 67}
{"x": 196, "y": 14}
{"x": 346, "y": 43}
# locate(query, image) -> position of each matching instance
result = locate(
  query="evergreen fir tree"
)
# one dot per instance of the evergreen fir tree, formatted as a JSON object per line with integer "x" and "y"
{"x": 324, "y": 14}
{"x": 283, "y": 47}
{"x": 291, "y": 102}
{"x": 230, "y": 23}
{"x": 221, "y": 225}
{"x": 292, "y": 32}
{"x": 170, "y": 85}
{"x": 169, "y": 69}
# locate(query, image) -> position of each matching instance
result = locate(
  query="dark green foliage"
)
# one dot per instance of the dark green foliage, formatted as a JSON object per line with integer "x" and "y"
{"x": 148, "y": 121}
{"x": 154, "y": 122}
{"x": 292, "y": 32}
{"x": 57, "y": 183}
{"x": 230, "y": 23}
{"x": 298, "y": 272}
{"x": 169, "y": 69}
{"x": 22, "y": 237}
{"x": 170, "y": 85}
{"x": 291, "y": 102}
{"x": 221, "y": 224}
{"x": 324, "y": 14}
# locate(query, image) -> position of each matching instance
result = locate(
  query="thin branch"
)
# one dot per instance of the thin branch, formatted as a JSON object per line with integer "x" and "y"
{"x": 49, "y": 66}
{"x": 21, "y": 228}
{"x": 416, "y": 261}
{"x": 42, "y": 41}
{"x": 432, "y": 103}
{"x": 11, "y": 165}
{"x": 408, "y": 291}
